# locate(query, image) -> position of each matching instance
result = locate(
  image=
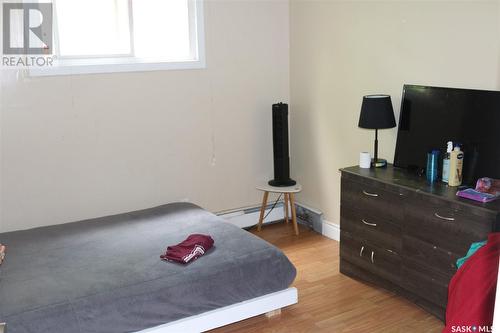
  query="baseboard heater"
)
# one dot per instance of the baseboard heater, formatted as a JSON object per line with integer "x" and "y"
{"x": 248, "y": 217}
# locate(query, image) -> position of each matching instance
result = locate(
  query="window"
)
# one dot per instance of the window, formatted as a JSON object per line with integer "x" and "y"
{"x": 95, "y": 36}
{"x": 93, "y": 28}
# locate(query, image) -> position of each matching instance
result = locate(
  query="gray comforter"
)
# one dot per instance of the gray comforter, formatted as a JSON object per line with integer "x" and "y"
{"x": 105, "y": 274}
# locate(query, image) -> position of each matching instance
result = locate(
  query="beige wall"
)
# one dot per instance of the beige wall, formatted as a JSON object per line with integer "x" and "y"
{"x": 342, "y": 50}
{"x": 75, "y": 147}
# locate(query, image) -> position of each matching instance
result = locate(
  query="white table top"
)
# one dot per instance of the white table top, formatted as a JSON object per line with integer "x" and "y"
{"x": 280, "y": 189}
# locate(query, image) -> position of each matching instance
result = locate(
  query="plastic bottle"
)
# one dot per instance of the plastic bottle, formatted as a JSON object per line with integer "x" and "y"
{"x": 456, "y": 165}
{"x": 432, "y": 166}
{"x": 446, "y": 161}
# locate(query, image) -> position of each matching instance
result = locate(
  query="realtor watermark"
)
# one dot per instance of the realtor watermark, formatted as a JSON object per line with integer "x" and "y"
{"x": 27, "y": 34}
{"x": 27, "y": 61}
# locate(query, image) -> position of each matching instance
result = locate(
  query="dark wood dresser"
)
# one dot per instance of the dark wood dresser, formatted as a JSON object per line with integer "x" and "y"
{"x": 405, "y": 235}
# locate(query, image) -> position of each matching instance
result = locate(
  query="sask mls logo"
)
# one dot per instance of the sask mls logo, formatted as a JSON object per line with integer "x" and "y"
{"x": 27, "y": 28}
{"x": 471, "y": 329}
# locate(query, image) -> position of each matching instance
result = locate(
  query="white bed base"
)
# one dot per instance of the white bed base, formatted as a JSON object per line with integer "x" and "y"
{"x": 229, "y": 314}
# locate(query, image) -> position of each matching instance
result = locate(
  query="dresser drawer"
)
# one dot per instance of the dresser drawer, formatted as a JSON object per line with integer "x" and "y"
{"x": 372, "y": 228}
{"x": 371, "y": 199}
{"x": 429, "y": 255}
{"x": 381, "y": 262}
{"x": 450, "y": 227}
{"x": 425, "y": 283}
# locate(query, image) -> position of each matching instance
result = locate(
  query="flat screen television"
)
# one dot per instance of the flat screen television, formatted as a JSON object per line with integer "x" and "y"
{"x": 432, "y": 116}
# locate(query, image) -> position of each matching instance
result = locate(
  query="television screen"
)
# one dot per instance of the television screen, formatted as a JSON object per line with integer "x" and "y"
{"x": 432, "y": 116}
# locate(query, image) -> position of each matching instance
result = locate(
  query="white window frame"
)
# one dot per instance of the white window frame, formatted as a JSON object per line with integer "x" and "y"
{"x": 74, "y": 65}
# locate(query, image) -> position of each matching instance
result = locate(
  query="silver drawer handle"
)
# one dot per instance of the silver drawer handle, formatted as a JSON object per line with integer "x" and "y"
{"x": 368, "y": 223}
{"x": 372, "y": 257}
{"x": 370, "y": 194}
{"x": 444, "y": 217}
{"x": 361, "y": 252}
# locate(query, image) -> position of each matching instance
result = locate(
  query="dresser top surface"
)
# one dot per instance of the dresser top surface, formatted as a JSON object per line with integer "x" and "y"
{"x": 400, "y": 177}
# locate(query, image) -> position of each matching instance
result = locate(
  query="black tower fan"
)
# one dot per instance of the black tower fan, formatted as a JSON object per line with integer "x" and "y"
{"x": 280, "y": 147}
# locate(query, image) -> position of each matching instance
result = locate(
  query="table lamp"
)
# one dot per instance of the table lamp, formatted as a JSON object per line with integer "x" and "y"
{"x": 377, "y": 113}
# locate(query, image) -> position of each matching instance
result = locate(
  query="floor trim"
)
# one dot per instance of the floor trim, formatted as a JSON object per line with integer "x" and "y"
{"x": 331, "y": 230}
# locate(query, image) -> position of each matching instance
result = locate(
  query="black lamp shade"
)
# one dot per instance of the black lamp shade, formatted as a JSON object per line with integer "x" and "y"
{"x": 377, "y": 112}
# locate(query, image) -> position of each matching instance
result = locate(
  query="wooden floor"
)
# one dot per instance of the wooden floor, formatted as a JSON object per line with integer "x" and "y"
{"x": 328, "y": 300}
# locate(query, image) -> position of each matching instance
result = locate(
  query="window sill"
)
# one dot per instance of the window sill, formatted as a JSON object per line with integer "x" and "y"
{"x": 74, "y": 68}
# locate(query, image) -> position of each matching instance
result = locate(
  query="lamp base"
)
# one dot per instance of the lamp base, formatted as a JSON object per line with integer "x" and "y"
{"x": 282, "y": 183}
{"x": 379, "y": 163}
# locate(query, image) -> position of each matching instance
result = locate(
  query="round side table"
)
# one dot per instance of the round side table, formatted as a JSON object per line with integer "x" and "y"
{"x": 289, "y": 193}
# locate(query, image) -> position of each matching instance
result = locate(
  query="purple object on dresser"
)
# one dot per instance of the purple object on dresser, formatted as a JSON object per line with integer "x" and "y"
{"x": 476, "y": 195}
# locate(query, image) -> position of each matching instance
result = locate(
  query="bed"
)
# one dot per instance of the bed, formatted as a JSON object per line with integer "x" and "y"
{"x": 105, "y": 275}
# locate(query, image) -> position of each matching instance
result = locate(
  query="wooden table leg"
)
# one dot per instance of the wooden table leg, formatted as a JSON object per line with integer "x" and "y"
{"x": 286, "y": 207}
{"x": 294, "y": 214}
{"x": 262, "y": 209}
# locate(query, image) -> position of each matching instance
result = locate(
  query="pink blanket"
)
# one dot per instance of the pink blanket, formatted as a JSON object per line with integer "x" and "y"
{"x": 471, "y": 293}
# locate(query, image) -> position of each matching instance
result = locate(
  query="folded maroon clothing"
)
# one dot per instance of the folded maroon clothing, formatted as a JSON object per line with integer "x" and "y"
{"x": 190, "y": 249}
